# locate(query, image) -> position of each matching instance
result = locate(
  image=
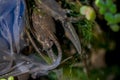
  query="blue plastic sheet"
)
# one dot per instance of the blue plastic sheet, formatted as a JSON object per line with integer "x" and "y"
{"x": 11, "y": 26}
{"x": 11, "y": 22}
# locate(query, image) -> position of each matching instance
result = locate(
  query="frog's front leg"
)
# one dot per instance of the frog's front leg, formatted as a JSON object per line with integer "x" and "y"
{"x": 72, "y": 35}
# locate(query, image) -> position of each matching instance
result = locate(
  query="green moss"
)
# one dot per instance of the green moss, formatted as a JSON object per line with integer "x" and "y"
{"x": 85, "y": 30}
{"x": 74, "y": 7}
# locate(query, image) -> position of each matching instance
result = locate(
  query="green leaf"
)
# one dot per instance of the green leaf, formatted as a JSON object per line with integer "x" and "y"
{"x": 117, "y": 18}
{"x": 102, "y": 10}
{"x": 109, "y": 3}
{"x": 113, "y": 8}
{"x": 11, "y": 78}
{"x": 2, "y": 79}
{"x": 99, "y": 3}
{"x": 115, "y": 27}
{"x": 110, "y": 18}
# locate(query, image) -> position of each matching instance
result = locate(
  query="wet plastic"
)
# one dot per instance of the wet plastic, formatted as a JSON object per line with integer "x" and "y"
{"x": 11, "y": 20}
{"x": 11, "y": 26}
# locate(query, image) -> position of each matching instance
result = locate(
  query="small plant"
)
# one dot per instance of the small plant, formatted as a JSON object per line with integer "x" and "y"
{"x": 88, "y": 12}
{"x": 109, "y": 10}
{"x": 9, "y": 78}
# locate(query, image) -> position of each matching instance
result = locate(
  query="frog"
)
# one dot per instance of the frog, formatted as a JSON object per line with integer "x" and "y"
{"x": 53, "y": 9}
{"x": 42, "y": 28}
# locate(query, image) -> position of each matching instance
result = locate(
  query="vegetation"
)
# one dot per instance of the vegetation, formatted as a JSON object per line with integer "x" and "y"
{"x": 9, "y": 78}
{"x": 91, "y": 38}
{"x": 109, "y": 10}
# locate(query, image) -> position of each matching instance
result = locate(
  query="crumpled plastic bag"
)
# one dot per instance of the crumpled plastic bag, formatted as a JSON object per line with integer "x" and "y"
{"x": 11, "y": 21}
{"x": 11, "y": 26}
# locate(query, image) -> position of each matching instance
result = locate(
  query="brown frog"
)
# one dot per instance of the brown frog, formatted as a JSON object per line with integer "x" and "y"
{"x": 53, "y": 9}
{"x": 43, "y": 24}
{"x": 43, "y": 28}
